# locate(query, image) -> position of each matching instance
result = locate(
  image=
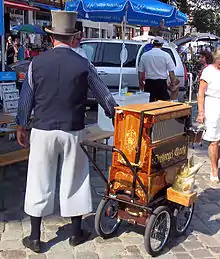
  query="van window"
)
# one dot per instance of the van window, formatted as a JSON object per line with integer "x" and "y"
{"x": 90, "y": 49}
{"x": 169, "y": 51}
{"x": 111, "y": 55}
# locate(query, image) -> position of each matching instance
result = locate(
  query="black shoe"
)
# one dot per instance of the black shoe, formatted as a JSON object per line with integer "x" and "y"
{"x": 34, "y": 245}
{"x": 77, "y": 240}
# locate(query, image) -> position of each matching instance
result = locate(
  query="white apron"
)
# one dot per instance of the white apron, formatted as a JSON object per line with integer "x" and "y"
{"x": 46, "y": 148}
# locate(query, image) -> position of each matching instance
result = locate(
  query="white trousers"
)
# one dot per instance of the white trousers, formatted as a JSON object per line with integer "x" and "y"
{"x": 47, "y": 148}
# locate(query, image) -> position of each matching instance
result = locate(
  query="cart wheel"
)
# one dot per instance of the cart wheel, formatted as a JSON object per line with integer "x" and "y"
{"x": 181, "y": 219}
{"x": 106, "y": 218}
{"x": 157, "y": 230}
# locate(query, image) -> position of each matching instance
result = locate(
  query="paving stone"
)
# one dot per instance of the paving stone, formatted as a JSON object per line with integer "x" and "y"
{"x": 13, "y": 225}
{"x": 12, "y": 235}
{"x": 178, "y": 249}
{"x": 183, "y": 256}
{"x": 208, "y": 240}
{"x": 59, "y": 246}
{"x": 132, "y": 240}
{"x": 109, "y": 249}
{"x": 100, "y": 240}
{"x": 133, "y": 250}
{"x": 215, "y": 250}
{"x": 201, "y": 253}
{"x": 189, "y": 246}
{"x": 53, "y": 221}
{"x": 166, "y": 256}
{"x": 132, "y": 257}
{"x": 60, "y": 255}
{"x": 11, "y": 245}
{"x": 2, "y": 227}
{"x": 12, "y": 254}
{"x": 26, "y": 225}
{"x": 40, "y": 256}
{"x": 86, "y": 255}
{"x": 88, "y": 246}
{"x": 102, "y": 256}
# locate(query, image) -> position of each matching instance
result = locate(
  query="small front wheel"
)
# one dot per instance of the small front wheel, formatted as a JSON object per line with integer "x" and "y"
{"x": 181, "y": 219}
{"x": 157, "y": 230}
{"x": 106, "y": 218}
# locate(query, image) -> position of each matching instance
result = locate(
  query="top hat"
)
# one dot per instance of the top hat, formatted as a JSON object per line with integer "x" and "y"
{"x": 63, "y": 23}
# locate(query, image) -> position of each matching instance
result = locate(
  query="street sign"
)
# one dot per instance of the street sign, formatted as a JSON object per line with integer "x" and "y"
{"x": 1, "y": 17}
{"x": 7, "y": 76}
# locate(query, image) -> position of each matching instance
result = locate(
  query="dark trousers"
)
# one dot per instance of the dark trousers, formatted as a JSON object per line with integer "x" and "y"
{"x": 157, "y": 89}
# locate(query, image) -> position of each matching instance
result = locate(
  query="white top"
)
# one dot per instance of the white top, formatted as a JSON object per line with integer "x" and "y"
{"x": 32, "y": 38}
{"x": 211, "y": 76}
{"x": 81, "y": 52}
{"x": 156, "y": 63}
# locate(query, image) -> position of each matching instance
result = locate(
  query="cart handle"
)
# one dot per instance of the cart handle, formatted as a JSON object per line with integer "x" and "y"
{"x": 93, "y": 144}
{"x": 112, "y": 149}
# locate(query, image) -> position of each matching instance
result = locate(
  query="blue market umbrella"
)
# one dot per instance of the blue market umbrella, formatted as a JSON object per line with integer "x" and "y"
{"x": 139, "y": 12}
{"x": 29, "y": 28}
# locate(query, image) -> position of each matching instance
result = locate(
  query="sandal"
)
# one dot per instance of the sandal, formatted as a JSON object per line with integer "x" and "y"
{"x": 214, "y": 179}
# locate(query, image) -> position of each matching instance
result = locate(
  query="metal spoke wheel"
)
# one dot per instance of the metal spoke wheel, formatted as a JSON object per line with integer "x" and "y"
{"x": 181, "y": 219}
{"x": 157, "y": 230}
{"x": 106, "y": 218}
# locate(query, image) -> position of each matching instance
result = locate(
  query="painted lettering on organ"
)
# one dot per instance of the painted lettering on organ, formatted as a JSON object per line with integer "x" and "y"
{"x": 168, "y": 156}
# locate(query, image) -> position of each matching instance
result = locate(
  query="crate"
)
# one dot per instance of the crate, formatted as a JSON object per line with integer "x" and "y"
{"x": 180, "y": 197}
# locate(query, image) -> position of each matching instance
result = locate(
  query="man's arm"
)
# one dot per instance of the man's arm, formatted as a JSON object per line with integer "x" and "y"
{"x": 172, "y": 79}
{"x": 101, "y": 92}
{"x": 141, "y": 74}
{"x": 141, "y": 77}
{"x": 25, "y": 106}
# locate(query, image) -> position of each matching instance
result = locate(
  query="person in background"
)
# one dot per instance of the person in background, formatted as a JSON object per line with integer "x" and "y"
{"x": 206, "y": 58}
{"x": 10, "y": 51}
{"x": 209, "y": 111}
{"x": 16, "y": 47}
{"x": 76, "y": 45}
{"x": 21, "y": 52}
{"x": 56, "y": 87}
{"x": 154, "y": 68}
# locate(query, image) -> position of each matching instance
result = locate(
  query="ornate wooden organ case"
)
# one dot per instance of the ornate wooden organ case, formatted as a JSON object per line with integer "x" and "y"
{"x": 153, "y": 138}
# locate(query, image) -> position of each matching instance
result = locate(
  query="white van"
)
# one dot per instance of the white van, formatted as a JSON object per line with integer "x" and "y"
{"x": 105, "y": 56}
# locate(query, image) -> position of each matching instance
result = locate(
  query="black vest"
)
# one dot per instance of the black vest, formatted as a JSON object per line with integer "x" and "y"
{"x": 61, "y": 85}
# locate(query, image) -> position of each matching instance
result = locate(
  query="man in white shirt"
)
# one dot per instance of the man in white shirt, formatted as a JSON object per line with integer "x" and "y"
{"x": 154, "y": 68}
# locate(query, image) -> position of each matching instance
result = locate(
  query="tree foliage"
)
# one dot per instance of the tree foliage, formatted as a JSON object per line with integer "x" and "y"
{"x": 203, "y": 14}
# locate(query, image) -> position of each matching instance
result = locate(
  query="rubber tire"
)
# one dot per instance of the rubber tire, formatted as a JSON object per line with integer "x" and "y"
{"x": 98, "y": 215}
{"x": 174, "y": 230}
{"x": 149, "y": 226}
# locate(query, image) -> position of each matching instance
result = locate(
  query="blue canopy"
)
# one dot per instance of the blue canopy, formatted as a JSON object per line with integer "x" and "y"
{"x": 29, "y": 28}
{"x": 139, "y": 12}
{"x": 47, "y": 7}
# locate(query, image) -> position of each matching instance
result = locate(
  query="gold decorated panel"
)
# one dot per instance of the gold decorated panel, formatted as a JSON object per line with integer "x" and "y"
{"x": 121, "y": 179}
{"x": 126, "y": 139}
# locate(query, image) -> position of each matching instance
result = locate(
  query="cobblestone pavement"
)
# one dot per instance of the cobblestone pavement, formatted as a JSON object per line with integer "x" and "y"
{"x": 202, "y": 239}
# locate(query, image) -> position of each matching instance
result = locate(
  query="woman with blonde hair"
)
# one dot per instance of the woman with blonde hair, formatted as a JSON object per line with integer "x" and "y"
{"x": 209, "y": 111}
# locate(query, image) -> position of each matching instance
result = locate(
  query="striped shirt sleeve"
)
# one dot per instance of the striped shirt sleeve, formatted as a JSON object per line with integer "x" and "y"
{"x": 101, "y": 92}
{"x": 26, "y": 100}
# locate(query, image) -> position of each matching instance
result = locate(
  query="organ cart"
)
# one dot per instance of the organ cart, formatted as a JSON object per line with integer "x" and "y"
{"x": 150, "y": 147}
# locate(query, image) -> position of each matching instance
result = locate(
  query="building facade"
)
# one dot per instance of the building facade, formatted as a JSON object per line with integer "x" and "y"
{"x": 39, "y": 12}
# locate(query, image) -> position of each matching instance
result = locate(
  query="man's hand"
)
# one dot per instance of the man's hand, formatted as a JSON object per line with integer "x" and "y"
{"x": 23, "y": 137}
{"x": 201, "y": 118}
{"x": 141, "y": 86}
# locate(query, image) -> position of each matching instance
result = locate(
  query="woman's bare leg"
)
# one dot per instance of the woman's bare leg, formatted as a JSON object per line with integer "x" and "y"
{"x": 214, "y": 157}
